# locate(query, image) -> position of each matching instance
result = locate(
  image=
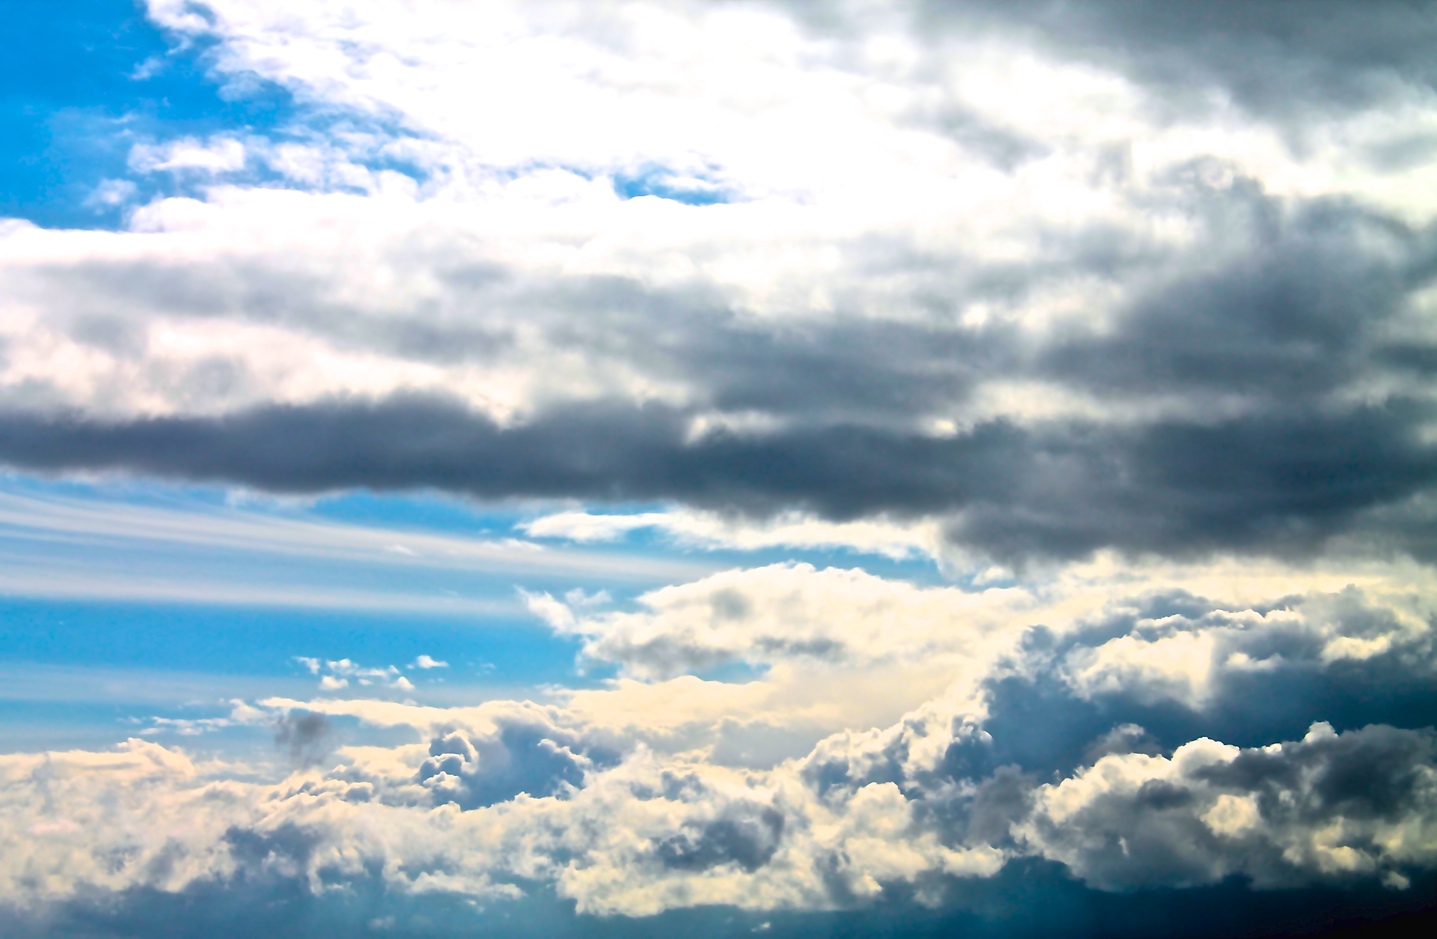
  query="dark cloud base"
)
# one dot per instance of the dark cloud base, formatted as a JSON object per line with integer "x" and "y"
{"x": 1268, "y": 483}
{"x": 1039, "y": 723}
{"x": 1028, "y": 899}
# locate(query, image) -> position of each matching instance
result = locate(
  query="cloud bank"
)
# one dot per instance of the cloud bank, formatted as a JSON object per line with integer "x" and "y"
{"x": 637, "y": 810}
{"x": 1163, "y": 322}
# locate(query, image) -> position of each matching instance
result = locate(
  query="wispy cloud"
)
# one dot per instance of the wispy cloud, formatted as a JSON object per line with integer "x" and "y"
{"x": 105, "y": 522}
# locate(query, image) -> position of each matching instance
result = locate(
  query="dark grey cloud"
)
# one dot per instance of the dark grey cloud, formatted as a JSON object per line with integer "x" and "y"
{"x": 306, "y": 737}
{"x": 1296, "y": 316}
{"x": 1269, "y": 482}
{"x": 1280, "y": 60}
{"x": 1293, "y": 65}
{"x": 743, "y": 835}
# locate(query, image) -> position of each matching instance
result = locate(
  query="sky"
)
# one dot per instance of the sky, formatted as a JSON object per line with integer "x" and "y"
{"x": 718, "y": 468}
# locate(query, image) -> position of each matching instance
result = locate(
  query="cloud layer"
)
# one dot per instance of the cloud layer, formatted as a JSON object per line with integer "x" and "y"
{"x": 1161, "y": 321}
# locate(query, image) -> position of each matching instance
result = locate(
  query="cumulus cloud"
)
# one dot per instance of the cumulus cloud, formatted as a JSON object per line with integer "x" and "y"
{"x": 593, "y": 797}
{"x": 910, "y": 805}
{"x": 611, "y": 799}
{"x": 1359, "y": 804}
{"x": 336, "y": 674}
{"x": 791, "y": 612}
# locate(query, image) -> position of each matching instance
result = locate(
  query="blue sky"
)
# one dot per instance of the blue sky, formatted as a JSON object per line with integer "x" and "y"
{"x": 81, "y": 85}
{"x": 730, "y": 468}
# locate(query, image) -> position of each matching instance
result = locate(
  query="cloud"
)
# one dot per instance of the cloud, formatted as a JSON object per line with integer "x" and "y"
{"x": 216, "y": 156}
{"x": 304, "y": 736}
{"x": 336, "y": 675}
{"x": 120, "y": 526}
{"x": 1328, "y": 806}
{"x": 533, "y": 757}
{"x": 791, "y": 612}
{"x": 710, "y": 531}
{"x": 1015, "y": 492}
{"x": 611, "y": 797}
{"x": 1143, "y": 339}
{"x": 1123, "y": 316}
{"x": 1277, "y": 61}
{"x": 644, "y": 835}
{"x": 1196, "y": 662}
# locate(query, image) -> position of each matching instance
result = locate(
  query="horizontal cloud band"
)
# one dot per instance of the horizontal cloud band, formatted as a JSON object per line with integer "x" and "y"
{"x": 1063, "y": 488}
{"x": 647, "y": 835}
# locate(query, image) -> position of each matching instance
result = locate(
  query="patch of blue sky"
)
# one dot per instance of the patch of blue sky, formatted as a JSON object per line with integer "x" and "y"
{"x": 102, "y": 671}
{"x": 663, "y": 183}
{"x": 93, "y": 79}
{"x": 29, "y": 726}
{"x": 202, "y": 728}
{"x": 430, "y": 510}
{"x": 266, "y": 641}
{"x": 123, "y": 576}
{"x": 81, "y": 83}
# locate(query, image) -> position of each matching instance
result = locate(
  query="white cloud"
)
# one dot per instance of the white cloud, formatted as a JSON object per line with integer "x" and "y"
{"x": 112, "y": 192}
{"x": 794, "y": 612}
{"x": 1187, "y": 658}
{"x": 778, "y": 793}
{"x": 711, "y": 531}
{"x": 337, "y": 674}
{"x": 217, "y": 155}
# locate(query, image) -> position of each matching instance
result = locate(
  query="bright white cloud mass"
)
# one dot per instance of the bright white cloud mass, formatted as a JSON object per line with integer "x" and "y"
{"x": 726, "y": 467}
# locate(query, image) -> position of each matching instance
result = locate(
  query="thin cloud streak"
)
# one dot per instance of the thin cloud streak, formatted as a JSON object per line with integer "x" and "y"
{"x": 103, "y": 524}
{"x": 83, "y": 582}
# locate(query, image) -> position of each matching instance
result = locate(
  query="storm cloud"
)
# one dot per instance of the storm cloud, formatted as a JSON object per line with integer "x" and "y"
{"x": 1274, "y": 483}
